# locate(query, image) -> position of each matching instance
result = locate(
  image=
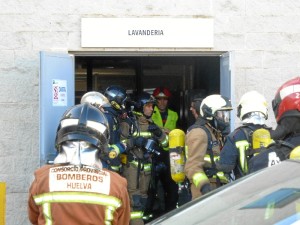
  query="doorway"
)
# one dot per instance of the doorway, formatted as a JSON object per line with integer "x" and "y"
{"x": 185, "y": 76}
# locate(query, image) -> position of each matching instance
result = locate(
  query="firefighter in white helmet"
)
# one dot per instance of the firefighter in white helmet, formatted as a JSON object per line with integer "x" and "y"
{"x": 239, "y": 146}
{"x": 203, "y": 142}
{"x": 76, "y": 189}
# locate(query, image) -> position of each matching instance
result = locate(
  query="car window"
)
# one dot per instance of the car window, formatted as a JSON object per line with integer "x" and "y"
{"x": 269, "y": 196}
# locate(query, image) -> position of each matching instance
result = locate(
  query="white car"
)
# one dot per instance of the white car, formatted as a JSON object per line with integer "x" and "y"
{"x": 269, "y": 196}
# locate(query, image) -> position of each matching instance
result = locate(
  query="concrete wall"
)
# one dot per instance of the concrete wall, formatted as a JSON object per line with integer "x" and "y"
{"x": 263, "y": 35}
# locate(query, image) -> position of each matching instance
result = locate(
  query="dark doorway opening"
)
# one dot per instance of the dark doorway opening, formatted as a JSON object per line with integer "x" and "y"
{"x": 185, "y": 76}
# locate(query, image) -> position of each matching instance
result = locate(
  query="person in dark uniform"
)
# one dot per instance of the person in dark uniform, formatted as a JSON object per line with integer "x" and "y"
{"x": 252, "y": 110}
{"x": 113, "y": 112}
{"x": 286, "y": 136}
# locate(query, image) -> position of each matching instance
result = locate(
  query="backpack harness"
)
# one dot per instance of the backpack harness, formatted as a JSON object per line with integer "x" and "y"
{"x": 210, "y": 172}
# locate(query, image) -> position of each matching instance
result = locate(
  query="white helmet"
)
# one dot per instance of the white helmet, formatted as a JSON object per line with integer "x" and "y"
{"x": 252, "y": 101}
{"x": 213, "y": 103}
{"x": 94, "y": 98}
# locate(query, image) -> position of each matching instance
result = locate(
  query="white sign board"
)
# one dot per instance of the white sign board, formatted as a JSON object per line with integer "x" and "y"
{"x": 147, "y": 32}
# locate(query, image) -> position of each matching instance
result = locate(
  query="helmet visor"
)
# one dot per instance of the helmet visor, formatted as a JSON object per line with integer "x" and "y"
{"x": 223, "y": 116}
{"x": 275, "y": 104}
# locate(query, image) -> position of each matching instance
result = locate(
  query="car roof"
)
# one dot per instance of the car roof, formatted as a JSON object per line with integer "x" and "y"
{"x": 269, "y": 196}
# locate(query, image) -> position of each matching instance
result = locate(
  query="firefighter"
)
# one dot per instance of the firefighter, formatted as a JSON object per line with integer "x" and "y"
{"x": 165, "y": 191}
{"x": 113, "y": 112}
{"x": 195, "y": 106}
{"x": 204, "y": 140}
{"x": 142, "y": 145}
{"x": 252, "y": 110}
{"x": 163, "y": 116}
{"x": 286, "y": 136}
{"x": 76, "y": 189}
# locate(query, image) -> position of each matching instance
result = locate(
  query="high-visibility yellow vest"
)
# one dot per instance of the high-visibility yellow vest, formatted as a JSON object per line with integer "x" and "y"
{"x": 171, "y": 120}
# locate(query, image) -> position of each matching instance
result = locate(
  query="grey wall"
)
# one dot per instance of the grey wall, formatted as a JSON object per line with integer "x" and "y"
{"x": 263, "y": 36}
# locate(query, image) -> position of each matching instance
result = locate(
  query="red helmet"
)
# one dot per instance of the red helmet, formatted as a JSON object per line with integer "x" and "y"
{"x": 287, "y": 100}
{"x": 161, "y": 92}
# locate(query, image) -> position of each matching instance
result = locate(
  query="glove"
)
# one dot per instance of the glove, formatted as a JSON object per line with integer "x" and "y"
{"x": 205, "y": 189}
{"x": 154, "y": 129}
{"x": 140, "y": 142}
{"x": 130, "y": 143}
{"x": 115, "y": 162}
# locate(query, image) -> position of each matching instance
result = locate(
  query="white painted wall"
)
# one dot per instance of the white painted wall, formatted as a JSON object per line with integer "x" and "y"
{"x": 263, "y": 34}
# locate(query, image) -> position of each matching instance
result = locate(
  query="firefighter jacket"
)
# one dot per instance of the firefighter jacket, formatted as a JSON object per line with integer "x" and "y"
{"x": 234, "y": 156}
{"x": 138, "y": 165}
{"x": 142, "y": 124}
{"x": 275, "y": 153}
{"x": 112, "y": 117}
{"x": 69, "y": 194}
{"x": 171, "y": 122}
{"x": 115, "y": 146}
{"x": 196, "y": 142}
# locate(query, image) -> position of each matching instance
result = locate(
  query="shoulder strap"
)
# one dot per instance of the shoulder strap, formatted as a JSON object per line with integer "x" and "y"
{"x": 248, "y": 131}
{"x": 282, "y": 143}
{"x": 283, "y": 146}
{"x": 210, "y": 151}
{"x": 209, "y": 138}
{"x": 202, "y": 126}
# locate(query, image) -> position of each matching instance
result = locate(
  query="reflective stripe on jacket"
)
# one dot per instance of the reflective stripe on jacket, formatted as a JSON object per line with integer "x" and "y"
{"x": 46, "y": 200}
{"x": 196, "y": 145}
{"x": 170, "y": 123}
{"x": 242, "y": 146}
{"x": 79, "y": 201}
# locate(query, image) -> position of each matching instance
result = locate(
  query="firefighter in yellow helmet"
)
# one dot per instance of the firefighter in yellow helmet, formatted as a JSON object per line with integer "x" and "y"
{"x": 204, "y": 140}
{"x": 76, "y": 189}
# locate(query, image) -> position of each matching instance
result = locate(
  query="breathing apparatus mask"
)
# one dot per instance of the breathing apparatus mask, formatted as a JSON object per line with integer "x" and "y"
{"x": 222, "y": 121}
{"x": 79, "y": 153}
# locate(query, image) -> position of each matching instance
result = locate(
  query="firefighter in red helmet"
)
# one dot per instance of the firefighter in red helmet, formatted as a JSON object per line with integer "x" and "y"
{"x": 286, "y": 136}
{"x": 162, "y": 115}
{"x": 164, "y": 186}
